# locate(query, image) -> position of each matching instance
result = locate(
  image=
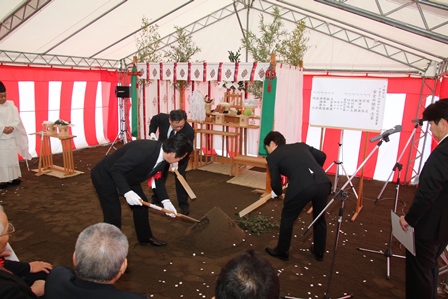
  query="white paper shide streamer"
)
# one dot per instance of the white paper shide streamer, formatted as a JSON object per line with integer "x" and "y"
{"x": 197, "y": 106}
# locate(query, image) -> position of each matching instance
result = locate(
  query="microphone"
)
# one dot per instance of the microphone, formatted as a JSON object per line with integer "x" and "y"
{"x": 419, "y": 121}
{"x": 385, "y": 134}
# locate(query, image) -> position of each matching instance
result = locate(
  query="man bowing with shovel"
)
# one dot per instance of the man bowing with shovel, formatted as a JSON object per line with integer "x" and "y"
{"x": 123, "y": 172}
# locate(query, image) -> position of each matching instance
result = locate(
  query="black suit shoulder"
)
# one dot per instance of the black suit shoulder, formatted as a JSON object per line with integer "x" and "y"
{"x": 63, "y": 283}
{"x": 188, "y": 131}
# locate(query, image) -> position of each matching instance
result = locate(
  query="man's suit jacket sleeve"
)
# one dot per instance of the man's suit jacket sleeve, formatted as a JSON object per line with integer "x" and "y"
{"x": 154, "y": 124}
{"x": 21, "y": 269}
{"x": 276, "y": 180}
{"x": 134, "y": 166}
{"x": 13, "y": 287}
{"x": 432, "y": 181}
{"x": 161, "y": 123}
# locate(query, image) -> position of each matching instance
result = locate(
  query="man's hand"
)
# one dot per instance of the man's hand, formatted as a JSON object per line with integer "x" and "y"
{"x": 169, "y": 206}
{"x": 273, "y": 195}
{"x": 175, "y": 166}
{"x": 38, "y": 288}
{"x": 132, "y": 198}
{"x": 8, "y": 130}
{"x": 152, "y": 136}
{"x": 40, "y": 266}
{"x": 404, "y": 224}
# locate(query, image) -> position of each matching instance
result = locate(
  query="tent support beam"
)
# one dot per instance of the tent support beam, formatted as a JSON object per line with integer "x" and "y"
{"x": 134, "y": 32}
{"x": 33, "y": 59}
{"x": 440, "y": 70}
{"x": 20, "y": 15}
{"x": 383, "y": 18}
{"x": 197, "y": 25}
{"x": 377, "y": 46}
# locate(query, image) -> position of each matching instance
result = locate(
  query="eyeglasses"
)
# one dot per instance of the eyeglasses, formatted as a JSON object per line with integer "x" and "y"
{"x": 3, "y": 95}
{"x": 10, "y": 230}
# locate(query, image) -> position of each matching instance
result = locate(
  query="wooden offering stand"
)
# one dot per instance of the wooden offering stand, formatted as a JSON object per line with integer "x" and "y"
{"x": 46, "y": 165}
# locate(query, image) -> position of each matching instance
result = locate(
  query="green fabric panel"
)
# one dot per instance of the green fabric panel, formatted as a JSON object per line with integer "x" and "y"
{"x": 267, "y": 113}
{"x": 134, "y": 103}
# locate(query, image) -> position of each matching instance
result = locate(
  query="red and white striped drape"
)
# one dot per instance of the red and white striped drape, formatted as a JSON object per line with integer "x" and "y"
{"x": 84, "y": 98}
{"x": 87, "y": 99}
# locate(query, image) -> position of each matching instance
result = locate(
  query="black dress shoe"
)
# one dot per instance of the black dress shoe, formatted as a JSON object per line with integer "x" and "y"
{"x": 153, "y": 242}
{"x": 281, "y": 255}
{"x": 318, "y": 256}
{"x": 185, "y": 211}
{"x": 15, "y": 182}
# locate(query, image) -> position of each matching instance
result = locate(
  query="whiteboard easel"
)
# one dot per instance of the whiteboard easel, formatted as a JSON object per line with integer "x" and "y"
{"x": 348, "y": 103}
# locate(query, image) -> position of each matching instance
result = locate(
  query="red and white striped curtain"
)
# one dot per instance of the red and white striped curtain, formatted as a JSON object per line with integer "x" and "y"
{"x": 87, "y": 99}
{"x": 84, "y": 98}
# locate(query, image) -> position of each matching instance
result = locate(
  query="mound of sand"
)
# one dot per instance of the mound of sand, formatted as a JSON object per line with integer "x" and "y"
{"x": 215, "y": 231}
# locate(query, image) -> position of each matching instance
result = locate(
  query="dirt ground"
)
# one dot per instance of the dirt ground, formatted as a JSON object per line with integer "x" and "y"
{"x": 50, "y": 212}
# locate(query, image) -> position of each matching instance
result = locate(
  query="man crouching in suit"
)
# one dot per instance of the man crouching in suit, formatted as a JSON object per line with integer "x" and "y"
{"x": 307, "y": 181}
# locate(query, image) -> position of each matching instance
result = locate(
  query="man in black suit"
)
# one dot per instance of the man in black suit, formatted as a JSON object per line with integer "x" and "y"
{"x": 99, "y": 260}
{"x": 123, "y": 172}
{"x": 307, "y": 181}
{"x": 168, "y": 125}
{"x": 428, "y": 213}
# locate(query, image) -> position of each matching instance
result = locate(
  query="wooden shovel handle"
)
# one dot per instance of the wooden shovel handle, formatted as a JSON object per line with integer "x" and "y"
{"x": 166, "y": 211}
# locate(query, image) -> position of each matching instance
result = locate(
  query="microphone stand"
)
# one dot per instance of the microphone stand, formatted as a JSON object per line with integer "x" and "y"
{"x": 341, "y": 193}
{"x": 397, "y": 167}
{"x": 398, "y": 160}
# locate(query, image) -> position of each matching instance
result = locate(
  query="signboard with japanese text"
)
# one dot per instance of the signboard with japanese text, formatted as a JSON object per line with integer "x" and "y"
{"x": 348, "y": 103}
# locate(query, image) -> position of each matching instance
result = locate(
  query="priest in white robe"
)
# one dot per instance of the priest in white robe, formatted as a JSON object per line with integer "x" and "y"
{"x": 13, "y": 141}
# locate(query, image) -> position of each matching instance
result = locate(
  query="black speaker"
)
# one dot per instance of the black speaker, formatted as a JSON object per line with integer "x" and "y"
{"x": 123, "y": 91}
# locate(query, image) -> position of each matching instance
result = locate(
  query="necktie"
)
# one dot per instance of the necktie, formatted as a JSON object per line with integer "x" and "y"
{"x": 172, "y": 133}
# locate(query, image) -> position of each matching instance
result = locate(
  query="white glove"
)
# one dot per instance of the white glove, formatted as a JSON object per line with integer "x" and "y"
{"x": 174, "y": 166}
{"x": 132, "y": 198}
{"x": 273, "y": 195}
{"x": 169, "y": 206}
{"x": 152, "y": 136}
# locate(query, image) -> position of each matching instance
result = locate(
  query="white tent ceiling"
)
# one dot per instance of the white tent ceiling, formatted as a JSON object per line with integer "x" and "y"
{"x": 352, "y": 35}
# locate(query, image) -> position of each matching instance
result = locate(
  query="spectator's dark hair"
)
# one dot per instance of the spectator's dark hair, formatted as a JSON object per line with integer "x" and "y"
{"x": 178, "y": 144}
{"x": 275, "y": 136}
{"x": 178, "y": 115}
{"x": 436, "y": 111}
{"x": 248, "y": 275}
